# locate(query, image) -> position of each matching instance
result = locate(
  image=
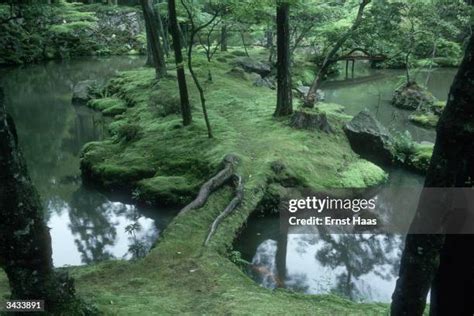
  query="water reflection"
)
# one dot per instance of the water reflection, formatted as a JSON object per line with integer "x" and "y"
{"x": 86, "y": 226}
{"x": 99, "y": 229}
{"x": 361, "y": 267}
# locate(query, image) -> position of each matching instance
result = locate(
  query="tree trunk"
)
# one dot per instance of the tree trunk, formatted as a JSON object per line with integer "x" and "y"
{"x": 224, "y": 38}
{"x": 161, "y": 30}
{"x": 284, "y": 94}
{"x": 153, "y": 38}
{"x": 25, "y": 243}
{"x": 183, "y": 88}
{"x": 329, "y": 59}
{"x": 269, "y": 38}
{"x": 444, "y": 258}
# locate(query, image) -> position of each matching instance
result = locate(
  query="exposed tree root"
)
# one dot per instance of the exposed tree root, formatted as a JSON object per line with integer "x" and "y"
{"x": 230, "y": 161}
{"x": 239, "y": 195}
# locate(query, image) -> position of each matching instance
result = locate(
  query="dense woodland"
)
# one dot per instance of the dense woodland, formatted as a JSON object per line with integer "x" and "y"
{"x": 227, "y": 110}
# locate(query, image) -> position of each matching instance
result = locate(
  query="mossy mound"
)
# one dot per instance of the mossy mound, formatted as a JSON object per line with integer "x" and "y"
{"x": 362, "y": 174}
{"x": 420, "y": 159}
{"x": 424, "y": 119}
{"x": 428, "y": 117}
{"x": 108, "y": 106}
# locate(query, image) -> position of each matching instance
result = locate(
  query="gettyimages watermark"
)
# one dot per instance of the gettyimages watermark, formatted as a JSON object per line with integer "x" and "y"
{"x": 401, "y": 211}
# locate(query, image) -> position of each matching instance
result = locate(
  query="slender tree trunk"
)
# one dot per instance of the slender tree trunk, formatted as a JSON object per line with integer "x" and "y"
{"x": 149, "y": 55}
{"x": 25, "y": 243}
{"x": 224, "y": 38}
{"x": 310, "y": 98}
{"x": 183, "y": 88}
{"x": 269, "y": 38}
{"x": 195, "y": 30}
{"x": 153, "y": 38}
{"x": 161, "y": 31}
{"x": 166, "y": 41}
{"x": 242, "y": 37}
{"x": 444, "y": 258}
{"x": 284, "y": 94}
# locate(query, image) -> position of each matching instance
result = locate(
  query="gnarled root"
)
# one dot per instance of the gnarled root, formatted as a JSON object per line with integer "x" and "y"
{"x": 239, "y": 195}
{"x": 230, "y": 161}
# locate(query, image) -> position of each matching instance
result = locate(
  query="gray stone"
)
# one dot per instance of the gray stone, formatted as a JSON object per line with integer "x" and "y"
{"x": 412, "y": 97}
{"x": 370, "y": 139}
{"x": 83, "y": 92}
{"x": 251, "y": 65}
{"x": 265, "y": 82}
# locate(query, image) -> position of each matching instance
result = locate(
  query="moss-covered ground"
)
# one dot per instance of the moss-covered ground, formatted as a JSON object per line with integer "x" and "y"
{"x": 162, "y": 162}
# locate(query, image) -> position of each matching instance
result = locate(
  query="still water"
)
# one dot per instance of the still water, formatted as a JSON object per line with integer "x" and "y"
{"x": 361, "y": 267}
{"x": 86, "y": 226}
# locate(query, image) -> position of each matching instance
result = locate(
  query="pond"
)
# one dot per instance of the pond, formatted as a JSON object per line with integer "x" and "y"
{"x": 361, "y": 267}
{"x": 86, "y": 225}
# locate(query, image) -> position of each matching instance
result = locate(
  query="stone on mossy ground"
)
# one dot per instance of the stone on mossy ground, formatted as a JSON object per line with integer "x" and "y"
{"x": 370, "y": 139}
{"x": 362, "y": 174}
{"x": 420, "y": 159}
{"x": 412, "y": 96}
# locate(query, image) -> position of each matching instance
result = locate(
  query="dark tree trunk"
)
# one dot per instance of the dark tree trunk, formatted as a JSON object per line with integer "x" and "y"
{"x": 25, "y": 243}
{"x": 269, "y": 38}
{"x": 161, "y": 30}
{"x": 183, "y": 88}
{"x": 284, "y": 94}
{"x": 310, "y": 98}
{"x": 224, "y": 38}
{"x": 149, "y": 55}
{"x": 444, "y": 258}
{"x": 153, "y": 38}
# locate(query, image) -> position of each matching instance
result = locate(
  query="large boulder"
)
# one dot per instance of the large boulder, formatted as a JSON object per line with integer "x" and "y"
{"x": 412, "y": 97}
{"x": 251, "y": 65}
{"x": 370, "y": 139}
{"x": 83, "y": 91}
{"x": 267, "y": 82}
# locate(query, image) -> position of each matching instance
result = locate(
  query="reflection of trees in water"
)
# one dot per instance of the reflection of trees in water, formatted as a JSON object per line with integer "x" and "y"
{"x": 94, "y": 221}
{"x": 359, "y": 255}
{"x": 91, "y": 221}
{"x": 140, "y": 242}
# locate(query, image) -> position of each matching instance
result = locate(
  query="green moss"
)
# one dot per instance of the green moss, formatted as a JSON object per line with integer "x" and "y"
{"x": 108, "y": 106}
{"x": 420, "y": 159}
{"x": 425, "y": 119}
{"x": 105, "y": 103}
{"x": 362, "y": 174}
{"x": 163, "y": 190}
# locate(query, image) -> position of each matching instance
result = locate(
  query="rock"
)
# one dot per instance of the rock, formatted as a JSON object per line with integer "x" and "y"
{"x": 250, "y": 65}
{"x": 265, "y": 82}
{"x": 82, "y": 92}
{"x": 310, "y": 120}
{"x": 237, "y": 72}
{"x": 303, "y": 91}
{"x": 412, "y": 97}
{"x": 370, "y": 139}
